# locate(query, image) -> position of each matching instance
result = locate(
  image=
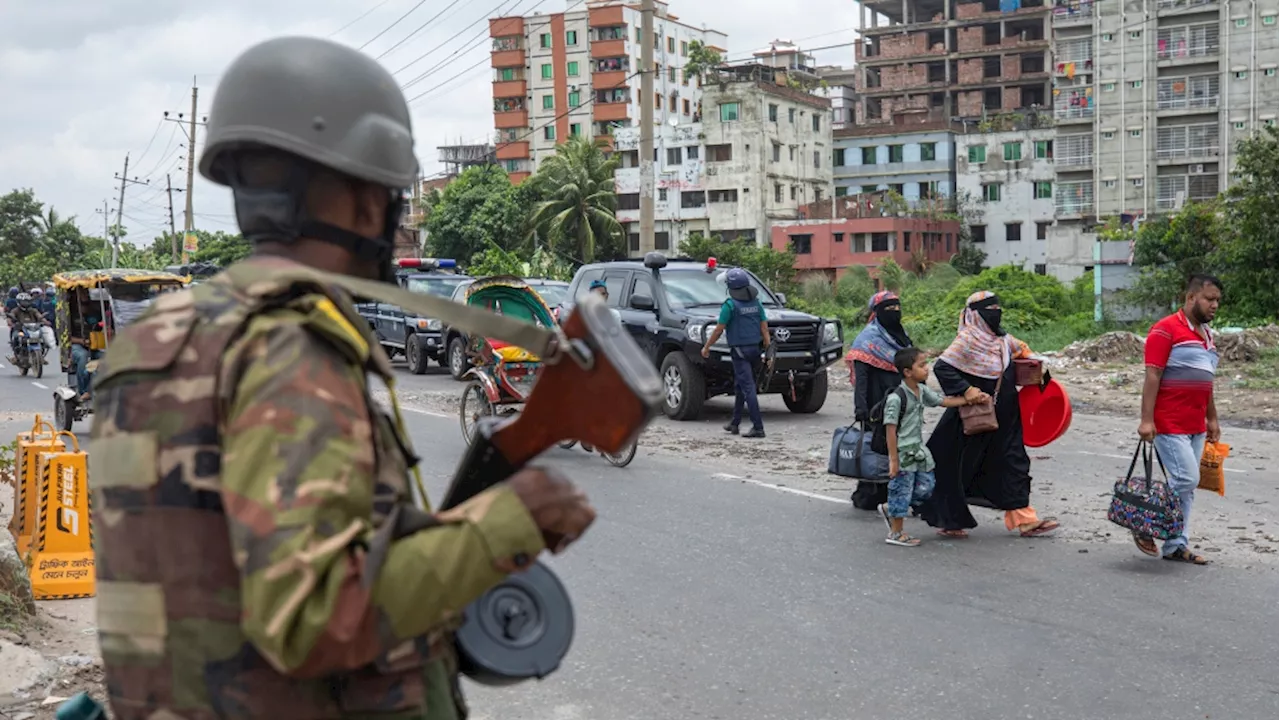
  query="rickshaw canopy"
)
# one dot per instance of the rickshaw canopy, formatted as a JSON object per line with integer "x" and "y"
{"x": 510, "y": 296}
{"x": 77, "y": 279}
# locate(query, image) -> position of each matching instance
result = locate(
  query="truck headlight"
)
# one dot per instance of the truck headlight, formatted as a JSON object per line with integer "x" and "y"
{"x": 694, "y": 332}
{"x": 425, "y": 324}
{"x": 830, "y": 333}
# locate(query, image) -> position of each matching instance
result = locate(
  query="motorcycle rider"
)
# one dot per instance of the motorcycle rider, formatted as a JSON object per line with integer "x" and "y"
{"x": 43, "y": 302}
{"x": 23, "y": 312}
{"x": 11, "y": 302}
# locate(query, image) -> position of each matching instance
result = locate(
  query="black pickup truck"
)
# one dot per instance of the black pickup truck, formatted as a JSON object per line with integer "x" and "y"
{"x": 670, "y": 307}
{"x": 419, "y": 339}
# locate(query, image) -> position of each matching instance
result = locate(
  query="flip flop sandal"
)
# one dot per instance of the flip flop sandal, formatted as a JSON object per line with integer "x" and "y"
{"x": 883, "y": 509}
{"x": 902, "y": 539}
{"x": 1146, "y": 545}
{"x": 1186, "y": 556}
{"x": 1044, "y": 528}
{"x": 954, "y": 534}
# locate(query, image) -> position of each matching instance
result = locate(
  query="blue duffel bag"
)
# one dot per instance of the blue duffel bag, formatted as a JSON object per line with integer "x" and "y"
{"x": 851, "y": 456}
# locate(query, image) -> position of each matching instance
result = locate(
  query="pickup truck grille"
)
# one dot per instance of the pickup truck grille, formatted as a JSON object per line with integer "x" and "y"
{"x": 801, "y": 337}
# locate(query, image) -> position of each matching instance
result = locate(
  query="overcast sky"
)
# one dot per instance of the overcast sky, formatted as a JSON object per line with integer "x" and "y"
{"x": 86, "y": 81}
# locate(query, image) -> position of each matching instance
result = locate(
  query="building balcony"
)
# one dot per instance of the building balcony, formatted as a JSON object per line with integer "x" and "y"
{"x": 609, "y": 49}
{"x": 507, "y": 58}
{"x": 512, "y": 119}
{"x": 606, "y": 141}
{"x": 519, "y": 177}
{"x": 1073, "y": 163}
{"x": 1072, "y": 12}
{"x": 518, "y": 150}
{"x": 899, "y": 168}
{"x": 604, "y": 80}
{"x": 1073, "y": 114}
{"x": 605, "y": 16}
{"x": 1186, "y": 55}
{"x": 506, "y": 27}
{"x": 1187, "y": 104}
{"x": 510, "y": 88}
{"x": 1178, "y": 7}
{"x": 610, "y": 111}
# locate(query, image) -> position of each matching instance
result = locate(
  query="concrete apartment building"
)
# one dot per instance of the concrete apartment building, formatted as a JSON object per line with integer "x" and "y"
{"x": 914, "y": 157}
{"x": 956, "y": 58}
{"x": 574, "y": 73}
{"x": 1150, "y": 99}
{"x": 760, "y": 152}
{"x": 831, "y": 246}
{"x": 1005, "y": 179}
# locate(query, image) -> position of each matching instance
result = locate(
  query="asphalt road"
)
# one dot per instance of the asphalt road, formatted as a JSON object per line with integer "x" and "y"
{"x": 702, "y": 596}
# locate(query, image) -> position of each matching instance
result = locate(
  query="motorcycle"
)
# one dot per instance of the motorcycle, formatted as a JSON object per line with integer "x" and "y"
{"x": 29, "y": 353}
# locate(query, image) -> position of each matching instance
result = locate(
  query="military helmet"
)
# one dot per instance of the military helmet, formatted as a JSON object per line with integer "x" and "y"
{"x": 23, "y": 299}
{"x": 318, "y": 100}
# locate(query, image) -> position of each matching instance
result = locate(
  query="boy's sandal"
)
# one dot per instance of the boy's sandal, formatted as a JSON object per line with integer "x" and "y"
{"x": 1186, "y": 556}
{"x": 902, "y": 539}
{"x": 954, "y": 534}
{"x": 1146, "y": 545}
{"x": 1044, "y": 527}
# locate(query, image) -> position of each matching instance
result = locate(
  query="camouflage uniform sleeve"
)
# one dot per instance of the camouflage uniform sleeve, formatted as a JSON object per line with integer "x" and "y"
{"x": 298, "y": 487}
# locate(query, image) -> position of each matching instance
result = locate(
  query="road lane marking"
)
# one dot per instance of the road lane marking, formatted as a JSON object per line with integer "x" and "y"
{"x": 425, "y": 412}
{"x": 1130, "y": 457}
{"x": 39, "y": 385}
{"x": 780, "y": 488}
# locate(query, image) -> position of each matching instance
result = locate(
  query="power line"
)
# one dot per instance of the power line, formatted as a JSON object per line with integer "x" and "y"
{"x": 147, "y": 149}
{"x": 392, "y": 25}
{"x": 408, "y": 37}
{"x": 366, "y": 14}
{"x": 497, "y": 10}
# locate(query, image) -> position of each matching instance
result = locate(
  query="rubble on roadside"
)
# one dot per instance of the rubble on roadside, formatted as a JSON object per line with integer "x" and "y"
{"x": 1247, "y": 345}
{"x": 1119, "y": 346}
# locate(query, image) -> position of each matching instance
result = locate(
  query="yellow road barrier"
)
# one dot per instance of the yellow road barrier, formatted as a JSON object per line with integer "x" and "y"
{"x": 43, "y": 437}
{"x": 61, "y": 559}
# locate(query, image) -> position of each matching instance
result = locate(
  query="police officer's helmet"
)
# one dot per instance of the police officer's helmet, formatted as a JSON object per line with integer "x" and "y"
{"x": 36, "y": 291}
{"x": 13, "y": 292}
{"x": 737, "y": 279}
{"x": 321, "y": 103}
{"x": 24, "y": 299}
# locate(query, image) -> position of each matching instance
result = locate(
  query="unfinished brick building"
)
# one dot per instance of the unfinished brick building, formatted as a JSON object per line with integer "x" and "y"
{"x": 965, "y": 59}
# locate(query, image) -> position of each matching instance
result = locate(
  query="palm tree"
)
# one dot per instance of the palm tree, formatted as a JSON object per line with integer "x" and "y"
{"x": 580, "y": 209}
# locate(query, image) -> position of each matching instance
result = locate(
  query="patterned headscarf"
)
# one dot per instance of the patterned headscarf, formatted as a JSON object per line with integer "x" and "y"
{"x": 977, "y": 350}
{"x": 875, "y": 345}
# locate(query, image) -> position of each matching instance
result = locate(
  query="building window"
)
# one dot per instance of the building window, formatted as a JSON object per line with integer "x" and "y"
{"x": 684, "y": 77}
{"x": 1269, "y": 72}
{"x": 1242, "y": 22}
{"x": 1042, "y": 233}
{"x": 511, "y": 165}
{"x": 977, "y": 233}
{"x": 895, "y": 153}
{"x": 549, "y": 132}
{"x": 575, "y": 129}
{"x": 729, "y": 112}
{"x": 547, "y": 72}
{"x": 991, "y": 192}
{"x": 639, "y": 35}
{"x": 801, "y": 244}
{"x": 1108, "y": 184}
{"x": 545, "y": 40}
{"x": 1135, "y": 34}
{"x": 573, "y": 69}
{"x": 1043, "y": 190}
{"x": 1012, "y": 151}
{"x": 791, "y": 115}
{"x": 1012, "y": 232}
{"x": 906, "y": 241}
{"x": 657, "y": 101}
{"x": 1044, "y": 149}
{"x": 1268, "y": 19}
{"x": 1137, "y": 182}
{"x": 817, "y": 122}
{"x": 928, "y": 151}
{"x": 777, "y": 152}
{"x": 1108, "y": 87}
{"x": 629, "y": 201}
{"x": 842, "y": 190}
{"x": 777, "y": 192}
{"x": 773, "y": 113}
{"x": 662, "y": 241}
{"x": 837, "y": 237}
{"x": 548, "y": 102}
{"x": 719, "y": 153}
{"x": 1135, "y": 133}
{"x": 1238, "y": 125}
{"x": 1136, "y": 84}
{"x": 879, "y": 242}
{"x": 571, "y": 37}
{"x": 1041, "y": 270}
{"x": 817, "y": 159}
{"x": 684, "y": 49}
{"x": 1242, "y": 74}
{"x": 793, "y": 192}
{"x": 978, "y": 154}
{"x": 507, "y": 74}
{"x": 691, "y": 153}
{"x": 899, "y": 188}
{"x": 671, "y": 74}
{"x": 1107, "y": 37}
{"x": 837, "y": 157}
{"x": 575, "y": 99}
{"x": 685, "y": 106}
{"x": 791, "y": 153}
{"x": 722, "y": 196}
{"x": 662, "y": 194}
{"x": 1108, "y": 134}
{"x": 868, "y": 156}
{"x": 671, "y": 44}
{"x": 948, "y": 242}
{"x": 674, "y": 156}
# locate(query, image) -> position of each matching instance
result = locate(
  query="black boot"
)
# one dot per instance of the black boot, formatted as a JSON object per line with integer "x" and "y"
{"x": 756, "y": 432}
{"x": 731, "y": 429}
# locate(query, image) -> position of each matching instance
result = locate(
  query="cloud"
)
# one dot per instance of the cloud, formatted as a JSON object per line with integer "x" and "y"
{"x": 87, "y": 81}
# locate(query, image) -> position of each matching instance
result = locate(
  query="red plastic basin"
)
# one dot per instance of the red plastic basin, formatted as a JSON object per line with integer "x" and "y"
{"x": 1046, "y": 414}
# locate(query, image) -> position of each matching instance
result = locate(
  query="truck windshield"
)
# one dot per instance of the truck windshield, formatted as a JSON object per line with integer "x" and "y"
{"x": 440, "y": 286}
{"x": 696, "y": 288}
{"x": 552, "y": 295}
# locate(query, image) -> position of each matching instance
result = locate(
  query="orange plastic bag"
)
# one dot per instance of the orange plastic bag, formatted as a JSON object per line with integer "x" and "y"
{"x": 1212, "y": 476}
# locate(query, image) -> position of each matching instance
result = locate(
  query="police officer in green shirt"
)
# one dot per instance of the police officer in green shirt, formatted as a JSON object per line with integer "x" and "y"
{"x": 742, "y": 318}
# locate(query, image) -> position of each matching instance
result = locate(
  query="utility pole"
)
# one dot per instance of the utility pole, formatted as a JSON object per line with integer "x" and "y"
{"x": 124, "y": 183}
{"x": 189, "y": 128}
{"x": 105, "y": 212}
{"x": 647, "y": 40}
{"x": 173, "y": 231}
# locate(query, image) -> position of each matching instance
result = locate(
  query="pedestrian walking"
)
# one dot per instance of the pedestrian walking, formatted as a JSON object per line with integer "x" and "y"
{"x": 742, "y": 317}
{"x": 1178, "y": 414}
{"x": 873, "y": 374}
{"x": 911, "y": 465}
{"x": 989, "y": 468}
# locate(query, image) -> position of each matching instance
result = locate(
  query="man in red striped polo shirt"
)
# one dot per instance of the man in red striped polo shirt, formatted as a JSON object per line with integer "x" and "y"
{"x": 1178, "y": 414}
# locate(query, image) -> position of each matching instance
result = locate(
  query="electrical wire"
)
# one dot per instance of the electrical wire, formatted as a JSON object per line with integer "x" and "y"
{"x": 497, "y": 10}
{"x": 392, "y": 25}
{"x": 420, "y": 28}
{"x": 366, "y": 14}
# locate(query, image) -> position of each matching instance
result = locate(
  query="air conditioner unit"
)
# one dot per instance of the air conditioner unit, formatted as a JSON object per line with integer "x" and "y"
{"x": 1197, "y": 169}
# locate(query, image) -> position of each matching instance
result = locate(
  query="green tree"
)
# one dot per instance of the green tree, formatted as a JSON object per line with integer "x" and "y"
{"x": 20, "y": 223}
{"x": 1247, "y": 255}
{"x": 218, "y": 247}
{"x": 579, "y": 214}
{"x": 1168, "y": 250}
{"x": 701, "y": 60}
{"x": 479, "y": 208}
{"x": 776, "y": 268}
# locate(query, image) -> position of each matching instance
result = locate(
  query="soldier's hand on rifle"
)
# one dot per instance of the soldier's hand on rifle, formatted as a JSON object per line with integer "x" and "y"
{"x": 559, "y": 509}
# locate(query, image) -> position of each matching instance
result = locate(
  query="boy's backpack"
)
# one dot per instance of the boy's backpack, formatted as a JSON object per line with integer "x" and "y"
{"x": 879, "y": 439}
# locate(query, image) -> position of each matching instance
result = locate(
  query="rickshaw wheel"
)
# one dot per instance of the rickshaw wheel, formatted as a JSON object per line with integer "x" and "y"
{"x": 624, "y": 458}
{"x": 475, "y": 405}
{"x": 63, "y": 414}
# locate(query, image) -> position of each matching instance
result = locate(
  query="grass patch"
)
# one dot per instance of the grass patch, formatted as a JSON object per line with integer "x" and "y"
{"x": 1264, "y": 373}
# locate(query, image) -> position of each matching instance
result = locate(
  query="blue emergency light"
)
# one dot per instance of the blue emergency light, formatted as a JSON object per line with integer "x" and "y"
{"x": 427, "y": 263}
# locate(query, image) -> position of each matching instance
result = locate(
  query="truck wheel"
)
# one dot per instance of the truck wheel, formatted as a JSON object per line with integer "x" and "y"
{"x": 414, "y": 355}
{"x": 457, "y": 358}
{"x": 684, "y": 386}
{"x": 809, "y": 397}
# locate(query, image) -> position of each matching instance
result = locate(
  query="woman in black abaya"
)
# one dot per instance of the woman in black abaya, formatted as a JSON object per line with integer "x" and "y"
{"x": 874, "y": 376}
{"x": 989, "y": 469}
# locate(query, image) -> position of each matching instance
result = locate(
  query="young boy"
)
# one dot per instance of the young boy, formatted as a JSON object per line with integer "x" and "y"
{"x": 910, "y": 463}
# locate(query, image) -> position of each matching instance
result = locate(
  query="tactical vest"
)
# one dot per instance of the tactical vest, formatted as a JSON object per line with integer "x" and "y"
{"x": 744, "y": 324}
{"x": 169, "y": 602}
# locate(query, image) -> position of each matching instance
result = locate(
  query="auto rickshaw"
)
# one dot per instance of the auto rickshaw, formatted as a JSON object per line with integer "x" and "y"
{"x": 502, "y": 375}
{"x": 93, "y": 304}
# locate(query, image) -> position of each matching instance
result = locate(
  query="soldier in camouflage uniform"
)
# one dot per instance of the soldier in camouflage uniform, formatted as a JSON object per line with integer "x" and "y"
{"x": 245, "y": 485}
